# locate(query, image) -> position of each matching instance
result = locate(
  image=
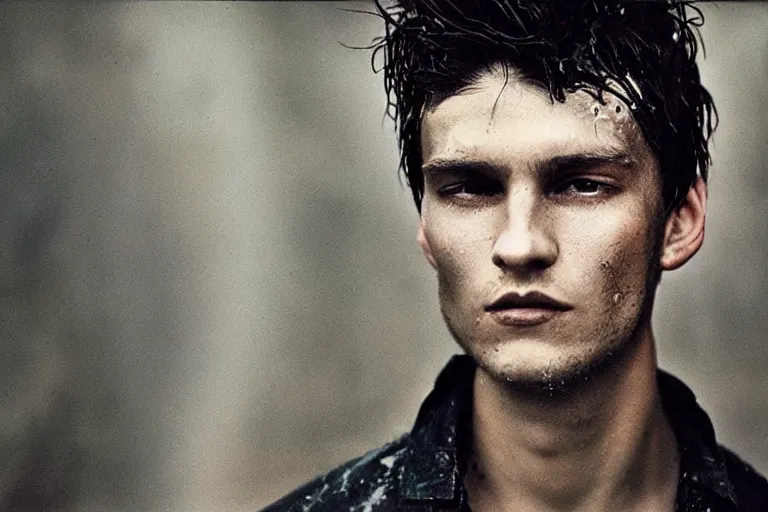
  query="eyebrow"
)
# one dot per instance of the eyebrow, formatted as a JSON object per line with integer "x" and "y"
{"x": 448, "y": 165}
{"x": 561, "y": 164}
{"x": 581, "y": 162}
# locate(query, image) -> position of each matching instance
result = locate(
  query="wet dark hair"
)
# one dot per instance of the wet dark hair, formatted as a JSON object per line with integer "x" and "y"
{"x": 644, "y": 52}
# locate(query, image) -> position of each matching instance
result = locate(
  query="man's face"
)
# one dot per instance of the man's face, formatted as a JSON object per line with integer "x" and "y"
{"x": 525, "y": 197}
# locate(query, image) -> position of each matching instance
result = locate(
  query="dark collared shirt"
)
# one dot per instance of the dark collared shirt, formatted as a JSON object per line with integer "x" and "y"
{"x": 424, "y": 470}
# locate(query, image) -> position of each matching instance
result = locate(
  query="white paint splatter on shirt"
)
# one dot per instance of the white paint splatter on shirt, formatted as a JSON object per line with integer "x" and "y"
{"x": 388, "y": 461}
{"x": 375, "y": 498}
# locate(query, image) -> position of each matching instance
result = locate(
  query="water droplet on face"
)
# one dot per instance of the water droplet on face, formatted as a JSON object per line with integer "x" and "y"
{"x": 616, "y": 298}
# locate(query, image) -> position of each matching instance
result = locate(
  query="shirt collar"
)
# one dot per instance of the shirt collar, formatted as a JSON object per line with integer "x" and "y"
{"x": 433, "y": 470}
{"x": 701, "y": 461}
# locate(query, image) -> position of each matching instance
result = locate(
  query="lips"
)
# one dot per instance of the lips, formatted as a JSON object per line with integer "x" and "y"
{"x": 533, "y": 308}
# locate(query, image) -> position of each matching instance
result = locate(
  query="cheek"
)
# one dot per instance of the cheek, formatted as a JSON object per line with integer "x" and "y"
{"x": 623, "y": 262}
{"x": 461, "y": 250}
{"x": 449, "y": 249}
{"x": 607, "y": 248}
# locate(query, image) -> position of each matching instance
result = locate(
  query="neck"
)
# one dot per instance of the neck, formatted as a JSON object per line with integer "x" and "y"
{"x": 604, "y": 446}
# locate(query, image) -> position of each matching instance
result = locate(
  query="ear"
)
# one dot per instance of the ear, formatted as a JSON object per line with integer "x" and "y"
{"x": 684, "y": 230}
{"x": 422, "y": 239}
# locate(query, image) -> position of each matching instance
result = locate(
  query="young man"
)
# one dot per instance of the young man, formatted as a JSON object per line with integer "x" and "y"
{"x": 557, "y": 152}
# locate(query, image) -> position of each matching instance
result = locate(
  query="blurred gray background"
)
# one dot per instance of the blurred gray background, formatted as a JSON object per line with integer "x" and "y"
{"x": 210, "y": 289}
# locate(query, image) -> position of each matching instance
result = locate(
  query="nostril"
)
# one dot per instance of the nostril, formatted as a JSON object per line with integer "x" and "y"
{"x": 540, "y": 264}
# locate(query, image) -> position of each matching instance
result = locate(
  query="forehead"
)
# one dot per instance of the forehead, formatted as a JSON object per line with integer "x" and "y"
{"x": 505, "y": 119}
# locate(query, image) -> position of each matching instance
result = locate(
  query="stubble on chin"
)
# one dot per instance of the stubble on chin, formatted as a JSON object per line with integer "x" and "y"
{"x": 554, "y": 378}
{"x": 560, "y": 378}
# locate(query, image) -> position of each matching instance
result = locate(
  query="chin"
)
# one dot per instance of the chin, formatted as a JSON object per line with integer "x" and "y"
{"x": 537, "y": 369}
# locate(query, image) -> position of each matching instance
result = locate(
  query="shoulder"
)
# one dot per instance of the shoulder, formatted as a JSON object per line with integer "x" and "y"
{"x": 751, "y": 487}
{"x": 369, "y": 483}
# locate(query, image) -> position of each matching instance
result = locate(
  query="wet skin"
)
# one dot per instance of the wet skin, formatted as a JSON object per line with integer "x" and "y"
{"x": 522, "y": 195}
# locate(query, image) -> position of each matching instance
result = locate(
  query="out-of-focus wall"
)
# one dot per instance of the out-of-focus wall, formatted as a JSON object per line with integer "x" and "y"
{"x": 209, "y": 284}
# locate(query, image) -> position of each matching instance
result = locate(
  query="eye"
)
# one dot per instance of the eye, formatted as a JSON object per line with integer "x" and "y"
{"x": 472, "y": 186}
{"x": 584, "y": 187}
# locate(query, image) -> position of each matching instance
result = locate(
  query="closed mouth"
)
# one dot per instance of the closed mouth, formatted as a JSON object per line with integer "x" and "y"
{"x": 531, "y": 300}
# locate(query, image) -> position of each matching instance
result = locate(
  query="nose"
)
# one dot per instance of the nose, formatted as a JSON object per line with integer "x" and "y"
{"x": 525, "y": 242}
